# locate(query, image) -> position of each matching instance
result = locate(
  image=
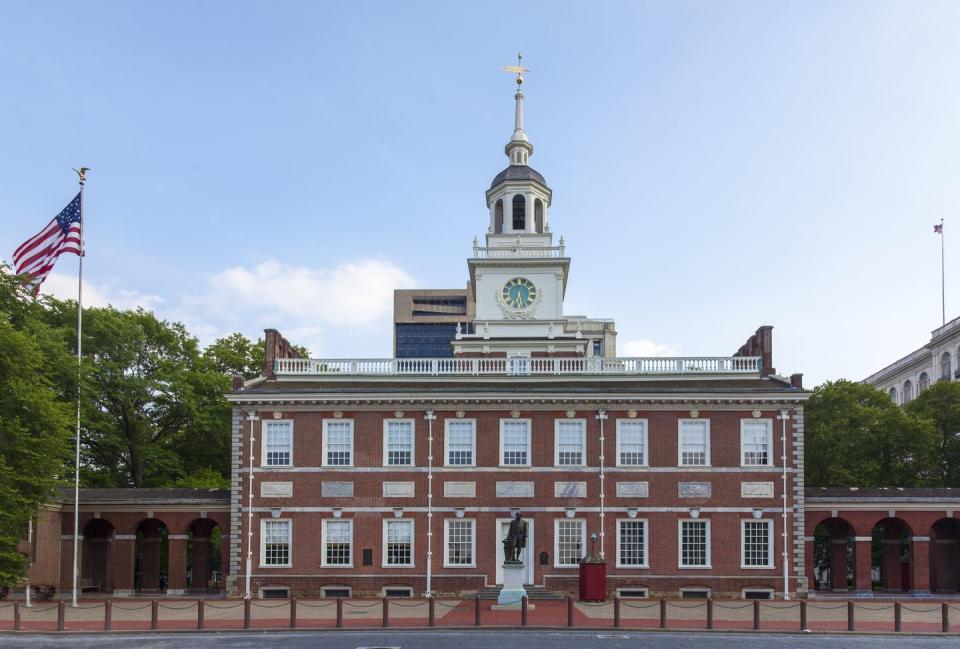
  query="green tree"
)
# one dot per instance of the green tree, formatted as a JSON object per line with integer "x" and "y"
{"x": 35, "y": 417}
{"x": 940, "y": 405}
{"x": 856, "y": 436}
{"x": 236, "y": 355}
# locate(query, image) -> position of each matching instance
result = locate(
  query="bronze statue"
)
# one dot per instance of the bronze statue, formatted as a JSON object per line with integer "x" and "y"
{"x": 516, "y": 539}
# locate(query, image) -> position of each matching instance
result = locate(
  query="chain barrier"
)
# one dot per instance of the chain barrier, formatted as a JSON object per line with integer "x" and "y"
{"x": 34, "y": 609}
{"x": 953, "y": 608}
{"x": 7, "y": 605}
{"x": 300, "y": 603}
{"x": 414, "y": 605}
{"x": 914, "y": 610}
{"x": 85, "y": 608}
{"x": 863, "y": 607}
{"x": 828, "y": 608}
{"x": 691, "y": 606}
{"x": 178, "y": 608}
{"x": 223, "y": 608}
{"x": 351, "y": 604}
{"x": 782, "y": 607}
{"x": 629, "y": 605}
{"x": 594, "y": 604}
{"x": 732, "y": 607}
{"x": 132, "y": 608}
{"x": 259, "y": 605}
{"x": 450, "y": 607}
{"x": 516, "y": 601}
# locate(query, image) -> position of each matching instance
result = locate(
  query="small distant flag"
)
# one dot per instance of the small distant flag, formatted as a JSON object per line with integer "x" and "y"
{"x": 36, "y": 256}
{"x": 938, "y": 228}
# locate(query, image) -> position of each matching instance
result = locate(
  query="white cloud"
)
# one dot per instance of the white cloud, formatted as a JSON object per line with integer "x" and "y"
{"x": 646, "y": 348}
{"x": 100, "y": 295}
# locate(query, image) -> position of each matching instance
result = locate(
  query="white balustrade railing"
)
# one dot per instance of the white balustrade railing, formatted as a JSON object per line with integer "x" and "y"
{"x": 513, "y": 252}
{"x": 517, "y": 366}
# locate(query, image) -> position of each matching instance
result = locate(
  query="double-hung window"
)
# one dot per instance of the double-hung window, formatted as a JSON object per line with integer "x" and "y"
{"x": 632, "y": 543}
{"x": 515, "y": 442}
{"x": 278, "y": 443}
{"x": 631, "y": 442}
{"x": 757, "y": 544}
{"x": 398, "y": 542}
{"x": 571, "y": 441}
{"x": 756, "y": 442}
{"x": 461, "y": 441}
{"x": 694, "y": 442}
{"x": 275, "y": 543}
{"x": 337, "y": 542}
{"x": 398, "y": 442}
{"x": 570, "y": 539}
{"x": 459, "y": 540}
{"x": 338, "y": 442}
{"x": 695, "y": 544}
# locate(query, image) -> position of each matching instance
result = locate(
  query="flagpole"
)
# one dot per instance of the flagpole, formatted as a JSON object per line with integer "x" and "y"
{"x": 943, "y": 279}
{"x": 76, "y": 468}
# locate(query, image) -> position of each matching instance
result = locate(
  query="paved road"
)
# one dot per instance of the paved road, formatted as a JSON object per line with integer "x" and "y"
{"x": 522, "y": 639}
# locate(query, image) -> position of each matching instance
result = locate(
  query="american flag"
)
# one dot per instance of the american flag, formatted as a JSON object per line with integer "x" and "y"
{"x": 938, "y": 228}
{"x": 36, "y": 256}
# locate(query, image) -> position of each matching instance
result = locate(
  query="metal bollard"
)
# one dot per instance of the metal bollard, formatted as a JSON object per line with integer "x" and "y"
{"x": 61, "y": 615}
{"x": 523, "y": 611}
{"x": 616, "y": 612}
{"x": 339, "y": 613}
{"x": 945, "y": 617}
{"x": 803, "y": 615}
{"x": 431, "y": 612}
{"x": 293, "y": 612}
{"x": 756, "y": 615}
{"x": 709, "y": 612}
{"x": 246, "y": 614}
{"x": 476, "y": 610}
{"x": 663, "y": 613}
{"x": 386, "y": 612}
{"x": 200, "y": 614}
{"x": 154, "y": 614}
{"x": 569, "y": 611}
{"x": 108, "y": 615}
{"x": 16, "y": 615}
{"x": 896, "y": 616}
{"x": 850, "y": 621}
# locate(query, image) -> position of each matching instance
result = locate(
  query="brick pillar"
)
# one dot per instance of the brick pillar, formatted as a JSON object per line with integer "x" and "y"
{"x": 66, "y": 561}
{"x": 176, "y": 564}
{"x": 838, "y": 564}
{"x": 862, "y": 564}
{"x": 890, "y": 570}
{"x": 124, "y": 549}
{"x": 809, "y": 566}
{"x": 224, "y": 559}
{"x": 920, "y": 565}
{"x": 150, "y": 562}
{"x": 199, "y": 572}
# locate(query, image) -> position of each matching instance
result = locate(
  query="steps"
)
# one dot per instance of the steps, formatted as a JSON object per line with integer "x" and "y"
{"x": 533, "y": 593}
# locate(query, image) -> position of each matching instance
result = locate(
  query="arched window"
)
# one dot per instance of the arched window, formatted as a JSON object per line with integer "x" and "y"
{"x": 893, "y": 394}
{"x": 498, "y": 217}
{"x": 907, "y": 391}
{"x": 945, "y": 366}
{"x": 924, "y": 382}
{"x": 519, "y": 212}
{"x": 538, "y": 215}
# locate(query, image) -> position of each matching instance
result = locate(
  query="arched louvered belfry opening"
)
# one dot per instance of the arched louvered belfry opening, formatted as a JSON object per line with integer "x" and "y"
{"x": 498, "y": 217}
{"x": 538, "y": 215}
{"x": 519, "y": 212}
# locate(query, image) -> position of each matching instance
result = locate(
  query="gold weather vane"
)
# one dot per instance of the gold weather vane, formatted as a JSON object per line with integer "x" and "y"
{"x": 518, "y": 68}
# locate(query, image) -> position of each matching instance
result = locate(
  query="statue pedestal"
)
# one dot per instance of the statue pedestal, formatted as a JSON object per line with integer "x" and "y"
{"x": 514, "y": 574}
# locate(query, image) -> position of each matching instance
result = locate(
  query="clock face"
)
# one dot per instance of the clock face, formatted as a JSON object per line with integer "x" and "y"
{"x": 519, "y": 293}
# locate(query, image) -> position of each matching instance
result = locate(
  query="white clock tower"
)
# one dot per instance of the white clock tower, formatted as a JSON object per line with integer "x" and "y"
{"x": 519, "y": 277}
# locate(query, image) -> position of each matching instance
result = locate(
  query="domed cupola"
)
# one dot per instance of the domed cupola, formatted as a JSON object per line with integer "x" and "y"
{"x": 519, "y": 198}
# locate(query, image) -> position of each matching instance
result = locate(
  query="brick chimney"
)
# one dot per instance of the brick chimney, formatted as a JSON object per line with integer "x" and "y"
{"x": 760, "y": 344}
{"x": 796, "y": 380}
{"x": 275, "y": 346}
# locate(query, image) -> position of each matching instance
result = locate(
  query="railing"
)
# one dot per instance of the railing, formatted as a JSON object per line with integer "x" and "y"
{"x": 513, "y": 252}
{"x": 517, "y": 366}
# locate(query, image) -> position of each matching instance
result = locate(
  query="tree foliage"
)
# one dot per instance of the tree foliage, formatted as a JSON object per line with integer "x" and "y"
{"x": 940, "y": 405}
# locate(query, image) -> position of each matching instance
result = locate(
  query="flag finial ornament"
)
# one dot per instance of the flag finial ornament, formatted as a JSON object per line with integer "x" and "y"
{"x": 82, "y": 174}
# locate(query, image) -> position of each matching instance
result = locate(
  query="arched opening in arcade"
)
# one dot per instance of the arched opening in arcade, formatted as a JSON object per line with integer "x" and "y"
{"x": 96, "y": 557}
{"x": 204, "y": 556}
{"x": 945, "y": 556}
{"x": 891, "y": 555}
{"x": 150, "y": 569}
{"x": 833, "y": 551}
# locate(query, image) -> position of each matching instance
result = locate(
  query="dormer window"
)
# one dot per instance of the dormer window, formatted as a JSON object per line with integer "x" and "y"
{"x": 519, "y": 212}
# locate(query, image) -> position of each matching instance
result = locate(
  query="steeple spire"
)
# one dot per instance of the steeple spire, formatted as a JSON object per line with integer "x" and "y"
{"x": 518, "y": 149}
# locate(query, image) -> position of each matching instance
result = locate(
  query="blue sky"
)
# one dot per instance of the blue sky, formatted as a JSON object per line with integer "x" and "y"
{"x": 715, "y": 165}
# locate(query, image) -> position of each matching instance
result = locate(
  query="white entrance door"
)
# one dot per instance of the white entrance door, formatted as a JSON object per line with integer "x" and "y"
{"x": 526, "y": 555}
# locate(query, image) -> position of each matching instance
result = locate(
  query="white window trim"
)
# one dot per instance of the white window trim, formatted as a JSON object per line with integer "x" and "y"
{"x": 446, "y": 445}
{"x": 556, "y": 442}
{"x": 529, "y": 444}
{"x": 263, "y": 543}
{"x": 706, "y": 462}
{"x": 446, "y": 543}
{"x": 743, "y": 458}
{"x": 757, "y": 589}
{"x": 413, "y": 442}
{"x": 709, "y": 564}
{"x": 323, "y": 548}
{"x": 409, "y": 589}
{"x": 323, "y": 450}
{"x": 646, "y": 438}
{"x": 413, "y": 544}
{"x": 696, "y": 589}
{"x": 260, "y": 592}
{"x": 623, "y": 589}
{"x": 263, "y": 443}
{"x": 646, "y": 544}
{"x": 556, "y": 541}
{"x": 743, "y": 546}
{"x": 324, "y": 589}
